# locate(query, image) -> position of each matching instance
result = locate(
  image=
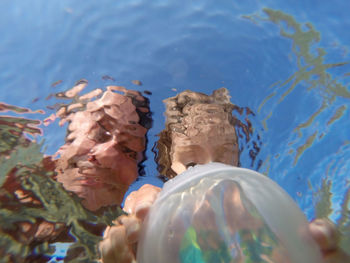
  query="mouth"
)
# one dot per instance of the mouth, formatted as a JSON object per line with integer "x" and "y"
{"x": 92, "y": 160}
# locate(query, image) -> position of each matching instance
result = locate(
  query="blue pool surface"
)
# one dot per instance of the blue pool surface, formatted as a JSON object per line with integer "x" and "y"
{"x": 296, "y": 82}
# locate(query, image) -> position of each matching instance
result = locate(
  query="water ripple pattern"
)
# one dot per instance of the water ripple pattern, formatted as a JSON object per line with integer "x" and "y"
{"x": 286, "y": 62}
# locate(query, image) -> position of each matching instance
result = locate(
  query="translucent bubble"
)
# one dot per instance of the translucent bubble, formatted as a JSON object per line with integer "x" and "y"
{"x": 219, "y": 213}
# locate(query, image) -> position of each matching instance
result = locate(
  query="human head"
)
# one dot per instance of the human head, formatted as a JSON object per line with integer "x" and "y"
{"x": 104, "y": 144}
{"x": 199, "y": 129}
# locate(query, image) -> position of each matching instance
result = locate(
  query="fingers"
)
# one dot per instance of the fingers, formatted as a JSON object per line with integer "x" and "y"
{"x": 114, "y": 247}
{"x": 325, "y": 234}
{"x": 327, "y": 237}
{"x": 140, "y": 201}
{"x": 132, "y": 226}
{"x": 119, "y": 240}
{"x": 117, "y": 244}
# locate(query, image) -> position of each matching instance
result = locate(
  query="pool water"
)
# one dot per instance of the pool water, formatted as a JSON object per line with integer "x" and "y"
{"x": 285, "y": 61}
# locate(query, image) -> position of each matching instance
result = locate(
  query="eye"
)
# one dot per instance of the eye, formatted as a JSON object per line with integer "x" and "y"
{"x": 132, "y": 155}
{"x": 103, "y": 136}
{"x": 190, "y": 164}
{"x": 100, "y": 134}
{"x": 128, "y": 152}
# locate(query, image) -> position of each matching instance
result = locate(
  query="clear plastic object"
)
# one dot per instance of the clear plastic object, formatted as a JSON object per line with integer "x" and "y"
{"x": 219, "y": 213}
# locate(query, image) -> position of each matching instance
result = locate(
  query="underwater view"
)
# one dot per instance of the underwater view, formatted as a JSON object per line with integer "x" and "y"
{"x": 100, "y": 99}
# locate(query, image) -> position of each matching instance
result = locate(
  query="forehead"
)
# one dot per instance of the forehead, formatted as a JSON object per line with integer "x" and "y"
{"x": 200, "y": 108}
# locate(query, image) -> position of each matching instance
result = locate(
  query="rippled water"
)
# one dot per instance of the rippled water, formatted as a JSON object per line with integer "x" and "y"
{"x": 289, "y": 68}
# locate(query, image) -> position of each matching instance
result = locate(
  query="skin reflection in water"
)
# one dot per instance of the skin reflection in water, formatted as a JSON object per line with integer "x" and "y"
{"x": 199, "y": 129}
{"x": 105, "y": 143}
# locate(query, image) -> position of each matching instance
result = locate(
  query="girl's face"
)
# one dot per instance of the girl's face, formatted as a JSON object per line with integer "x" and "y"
{"x": 220, "y": 149}
{"x": 217, "y": 151}
{"x": 209, "y": 137}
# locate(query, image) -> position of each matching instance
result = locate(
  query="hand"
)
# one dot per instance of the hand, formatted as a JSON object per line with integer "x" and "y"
{"x": 327, "y": 237}
{"x": 120, "y": 240}
{"x": 140, "y": 201}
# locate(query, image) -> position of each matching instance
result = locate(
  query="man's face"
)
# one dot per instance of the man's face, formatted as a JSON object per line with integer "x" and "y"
{"x": 105, "y": 144}
{"x": 119, "y": 151}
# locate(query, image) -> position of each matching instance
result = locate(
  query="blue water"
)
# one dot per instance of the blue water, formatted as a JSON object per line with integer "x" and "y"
{"x": 172, "y": 46}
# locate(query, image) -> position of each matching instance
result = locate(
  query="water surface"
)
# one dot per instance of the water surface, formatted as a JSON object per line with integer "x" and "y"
{"x": 287, "y": 63}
